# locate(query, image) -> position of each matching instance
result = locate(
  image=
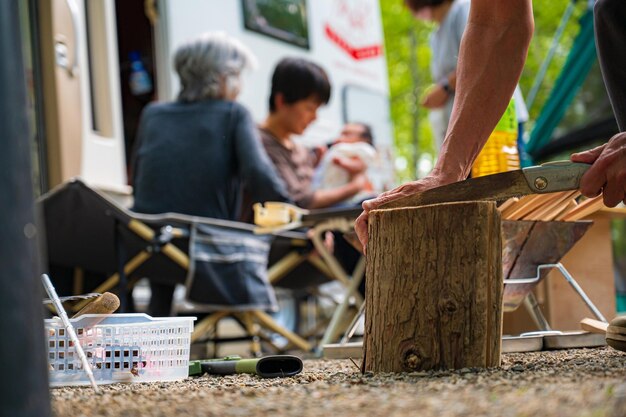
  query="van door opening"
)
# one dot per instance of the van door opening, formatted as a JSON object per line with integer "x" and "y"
{"x": 137, "y": 70}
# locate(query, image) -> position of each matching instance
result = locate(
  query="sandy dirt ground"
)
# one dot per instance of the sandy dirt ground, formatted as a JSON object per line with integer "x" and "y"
{"x": 568, "y": 383}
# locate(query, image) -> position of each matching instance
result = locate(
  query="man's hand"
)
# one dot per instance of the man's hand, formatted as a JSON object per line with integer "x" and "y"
{"x": 607, "y": 174}
{"x": 409, "y": 188}
{"x": 435, "y": 97}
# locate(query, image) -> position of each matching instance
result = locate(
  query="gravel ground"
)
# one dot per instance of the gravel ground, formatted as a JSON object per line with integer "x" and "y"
{"x": 580, "y": 382}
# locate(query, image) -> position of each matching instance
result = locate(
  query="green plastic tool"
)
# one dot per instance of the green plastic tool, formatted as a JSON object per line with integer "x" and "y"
{"x": 267, "y": 367}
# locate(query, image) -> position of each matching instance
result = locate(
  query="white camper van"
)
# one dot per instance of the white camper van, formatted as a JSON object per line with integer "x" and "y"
{"x": 104, "y": 60}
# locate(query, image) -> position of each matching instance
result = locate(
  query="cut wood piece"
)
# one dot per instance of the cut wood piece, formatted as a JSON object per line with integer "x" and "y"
{"x": 542, "y": 201}
{"x": 526, "y": 205}
{"x": 593, "y": 326}
{"x": 434, "y": 288}
{"x": 584, "y": 209}
{"x": 511, "y": 212}
{"x": 508, "y": 203}
{"x": 571, "y": 205}
{"x": 556, "y": 199}
{"x": 504, "y": 214}
{"x": 560, "y": 208}
{"x": 547, "y": 200}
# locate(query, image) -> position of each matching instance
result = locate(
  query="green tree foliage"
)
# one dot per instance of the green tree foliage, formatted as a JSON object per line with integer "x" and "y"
{"x": 409, "y": 72}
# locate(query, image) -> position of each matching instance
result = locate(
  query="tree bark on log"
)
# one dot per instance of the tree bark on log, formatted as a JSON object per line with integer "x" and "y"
{"x": 434, "y": 288}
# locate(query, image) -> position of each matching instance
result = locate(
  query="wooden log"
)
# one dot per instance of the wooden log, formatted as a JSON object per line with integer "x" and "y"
{"x": 433, "y": 288}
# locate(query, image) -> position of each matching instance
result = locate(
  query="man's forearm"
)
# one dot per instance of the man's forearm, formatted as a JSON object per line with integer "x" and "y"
{"x": 492, "y": 55}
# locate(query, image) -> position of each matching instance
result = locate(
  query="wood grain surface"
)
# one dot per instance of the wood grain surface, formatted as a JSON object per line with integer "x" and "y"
{"x": 434, "y": 288}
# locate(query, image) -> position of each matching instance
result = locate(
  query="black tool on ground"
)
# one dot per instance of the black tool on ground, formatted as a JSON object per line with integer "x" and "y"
{"x": 267, "y": 367}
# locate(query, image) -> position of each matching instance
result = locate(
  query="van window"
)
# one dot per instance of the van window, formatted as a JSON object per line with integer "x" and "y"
{"x": 285, "y": 20}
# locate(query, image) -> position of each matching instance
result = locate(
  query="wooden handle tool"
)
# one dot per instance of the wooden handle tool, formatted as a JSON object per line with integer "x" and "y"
{"x": 107, "y": 303}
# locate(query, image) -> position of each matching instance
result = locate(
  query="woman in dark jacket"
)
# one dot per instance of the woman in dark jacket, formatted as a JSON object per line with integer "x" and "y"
{"x": 195, "y": 154}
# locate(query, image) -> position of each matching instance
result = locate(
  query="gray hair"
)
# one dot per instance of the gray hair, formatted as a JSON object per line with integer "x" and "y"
{"x": 210, "y": 64}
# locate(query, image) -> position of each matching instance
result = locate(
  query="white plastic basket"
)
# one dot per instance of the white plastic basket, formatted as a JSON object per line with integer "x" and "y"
{"x": 120, "y": 348}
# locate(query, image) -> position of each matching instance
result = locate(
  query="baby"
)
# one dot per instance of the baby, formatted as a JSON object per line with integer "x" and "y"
{"x": 352, "y": 151}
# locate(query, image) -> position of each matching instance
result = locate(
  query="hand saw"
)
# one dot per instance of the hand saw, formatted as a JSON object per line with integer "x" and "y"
{"x": 542, "y": 179}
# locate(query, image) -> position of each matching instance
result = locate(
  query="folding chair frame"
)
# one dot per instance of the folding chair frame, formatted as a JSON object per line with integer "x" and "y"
{"x": 351, "y": 283}
{"x": 138, "y": 224}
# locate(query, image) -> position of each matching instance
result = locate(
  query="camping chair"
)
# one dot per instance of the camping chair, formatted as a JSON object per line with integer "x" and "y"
{"x": 88, "y": 231}
{"x": 275, "y": 217}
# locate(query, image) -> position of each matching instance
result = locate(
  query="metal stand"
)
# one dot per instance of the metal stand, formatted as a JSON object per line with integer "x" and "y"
{"x": 351, "y": 283}
{"x": 530, "y": 302}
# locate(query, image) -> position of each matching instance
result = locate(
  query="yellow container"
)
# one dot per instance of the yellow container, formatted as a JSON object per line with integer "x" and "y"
{"x": 500, "y": 152}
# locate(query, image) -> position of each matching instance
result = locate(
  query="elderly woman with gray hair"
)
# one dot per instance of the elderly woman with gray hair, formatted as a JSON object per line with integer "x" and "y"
{"x": 194, "y": 155}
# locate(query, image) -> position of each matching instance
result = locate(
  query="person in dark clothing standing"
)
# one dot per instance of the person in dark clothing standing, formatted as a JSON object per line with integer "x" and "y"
{"x": 491, "y": 57}
{"x": 607, "y": 175}
{"x": 195, "y": 154}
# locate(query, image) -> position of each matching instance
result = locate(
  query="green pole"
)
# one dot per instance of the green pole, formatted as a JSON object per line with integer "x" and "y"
{"x": 579, "y": 62}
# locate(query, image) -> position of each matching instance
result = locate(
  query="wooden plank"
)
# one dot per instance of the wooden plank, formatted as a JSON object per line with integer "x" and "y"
{"x": 508, "y": 203}
{"x": 549, "y": 206}
{"x": 542, "y": 201}
{"x": 585, "y": 209}
{"x": 434, "y": 301}
{"x": 525, "y": 205}
{"x": 571, "y": 205}
{"x": 593, "y": 326}
{"x": 562, "y": 207}
{"x": 547, "y": 200}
